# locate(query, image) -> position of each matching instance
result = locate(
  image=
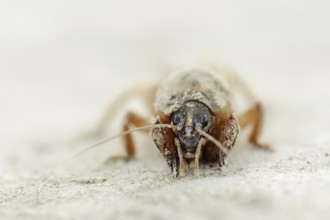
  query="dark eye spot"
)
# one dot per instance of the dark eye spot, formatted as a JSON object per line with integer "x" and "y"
{"x": 204, "y": 120}
{"x": 176, "y": 119}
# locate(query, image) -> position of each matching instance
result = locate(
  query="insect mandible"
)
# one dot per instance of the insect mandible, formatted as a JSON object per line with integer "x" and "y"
{"x": 193, "y": 120}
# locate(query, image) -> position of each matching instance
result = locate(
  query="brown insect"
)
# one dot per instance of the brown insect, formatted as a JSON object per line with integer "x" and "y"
{"x": 193, "y": 120}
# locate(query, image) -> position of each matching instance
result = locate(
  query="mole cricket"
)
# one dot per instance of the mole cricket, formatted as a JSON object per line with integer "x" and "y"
{"x": 193, "y": 120}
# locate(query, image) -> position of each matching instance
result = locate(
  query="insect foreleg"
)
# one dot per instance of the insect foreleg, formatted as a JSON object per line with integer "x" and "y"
{"x": 182, "y": 163}
{"x": 197, "y": 155}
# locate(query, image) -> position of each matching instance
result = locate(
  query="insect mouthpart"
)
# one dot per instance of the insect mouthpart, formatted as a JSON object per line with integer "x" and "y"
{"x": 189, "y": 138}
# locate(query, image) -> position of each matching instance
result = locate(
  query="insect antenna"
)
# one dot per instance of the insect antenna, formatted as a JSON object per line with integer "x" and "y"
{"x": 210, "y": 138}
{"x": 123, "y": 133}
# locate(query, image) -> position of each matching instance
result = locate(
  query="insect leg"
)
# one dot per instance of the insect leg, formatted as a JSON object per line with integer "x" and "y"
{"x": 197, "y": 156}
{"x": 132, "y": 119}
{"x": 253, "y": 116}
{"x": 182, "y": 162}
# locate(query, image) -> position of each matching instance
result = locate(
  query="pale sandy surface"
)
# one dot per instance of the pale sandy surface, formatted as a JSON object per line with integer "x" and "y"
{"x": 62, "y": 64}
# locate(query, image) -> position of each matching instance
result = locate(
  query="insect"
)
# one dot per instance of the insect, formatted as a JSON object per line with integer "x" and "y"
{"x": 193, "y": 120}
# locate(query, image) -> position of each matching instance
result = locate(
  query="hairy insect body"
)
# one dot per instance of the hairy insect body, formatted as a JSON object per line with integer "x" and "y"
{"x": 194, "y": 120}
{"x": 195, "y": 96}
{"x": 199, "y": 85}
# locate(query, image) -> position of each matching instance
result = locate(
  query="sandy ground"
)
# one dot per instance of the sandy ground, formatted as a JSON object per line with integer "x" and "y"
{"x": 61, "y": 64}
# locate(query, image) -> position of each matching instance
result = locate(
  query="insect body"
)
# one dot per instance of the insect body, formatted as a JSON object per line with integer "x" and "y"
{"x": 194, "y": 121}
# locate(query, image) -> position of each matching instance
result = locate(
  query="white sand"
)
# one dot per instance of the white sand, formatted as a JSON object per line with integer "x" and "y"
{"x": 61, "y": 65}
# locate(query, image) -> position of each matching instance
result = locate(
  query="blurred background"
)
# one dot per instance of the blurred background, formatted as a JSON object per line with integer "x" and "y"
{"x": 63, "y": 62}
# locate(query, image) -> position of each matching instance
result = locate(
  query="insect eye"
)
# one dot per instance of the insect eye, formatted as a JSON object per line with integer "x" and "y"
{"x": 204, "y": 120}
{"x": 176, "y": 119}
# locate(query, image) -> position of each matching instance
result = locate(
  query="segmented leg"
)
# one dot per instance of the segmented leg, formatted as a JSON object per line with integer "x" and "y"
{"x": 132, "y": 120}
{"x": 253, "y": 116}
{"x": 197, "y": 156}
{"x": 182, "y": 163}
